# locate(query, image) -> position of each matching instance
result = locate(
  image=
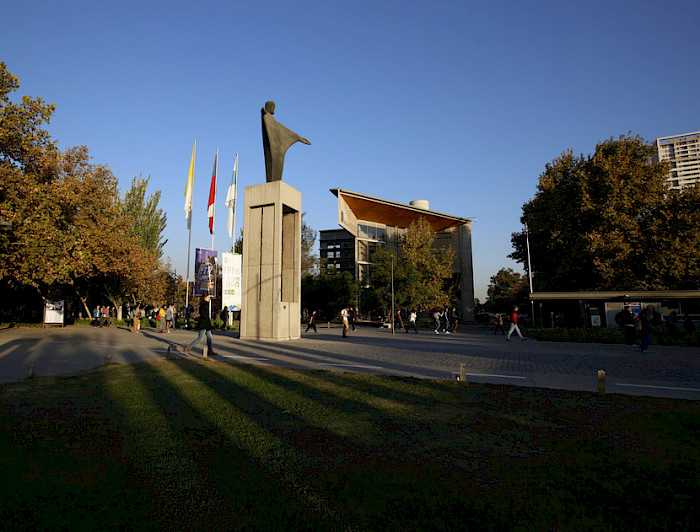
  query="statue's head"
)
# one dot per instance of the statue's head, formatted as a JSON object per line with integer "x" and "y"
{"x": 270, "y": 107}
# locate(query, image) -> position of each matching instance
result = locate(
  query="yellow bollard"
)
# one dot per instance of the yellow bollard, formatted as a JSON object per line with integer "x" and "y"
{"x": 601, "y": 381}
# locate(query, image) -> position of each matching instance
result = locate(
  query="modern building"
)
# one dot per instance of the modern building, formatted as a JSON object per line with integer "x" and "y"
{"x": 682, "y": 152}
{"x": 368, "y": 223}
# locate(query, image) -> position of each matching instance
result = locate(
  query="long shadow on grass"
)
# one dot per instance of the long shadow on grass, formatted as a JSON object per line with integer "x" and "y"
{"x": 382, "y": 476}
{"x": 249, "y": 466}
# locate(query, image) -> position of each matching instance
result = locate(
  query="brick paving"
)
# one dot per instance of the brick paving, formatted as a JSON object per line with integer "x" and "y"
{"x": 663, "y": 371}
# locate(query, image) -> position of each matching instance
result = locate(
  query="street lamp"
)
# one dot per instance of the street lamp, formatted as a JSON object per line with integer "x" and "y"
{"x": 529, "y": 272}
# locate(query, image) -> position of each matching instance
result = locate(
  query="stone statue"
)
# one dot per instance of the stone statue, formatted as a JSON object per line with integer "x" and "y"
{"x": 276, "y": 141}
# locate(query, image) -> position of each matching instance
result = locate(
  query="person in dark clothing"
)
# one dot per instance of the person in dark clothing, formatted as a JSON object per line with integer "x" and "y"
{"x": 204, "y": 326}
{"x": 625, "y": 320}
{"x": 353, "y": 317}
{"x": 312, "y": 322}
{"x": 498, "y": 324}
{"x": 645, "y": 326}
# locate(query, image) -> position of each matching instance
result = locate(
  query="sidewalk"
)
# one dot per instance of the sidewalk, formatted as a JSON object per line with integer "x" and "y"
{"x": 663, "y": 372}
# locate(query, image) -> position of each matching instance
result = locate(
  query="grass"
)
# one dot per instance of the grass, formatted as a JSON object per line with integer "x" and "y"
{"x": 182, "y": 444}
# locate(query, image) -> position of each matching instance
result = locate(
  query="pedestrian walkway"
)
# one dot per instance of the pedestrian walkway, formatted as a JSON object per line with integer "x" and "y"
{"x": 662, "y": 372}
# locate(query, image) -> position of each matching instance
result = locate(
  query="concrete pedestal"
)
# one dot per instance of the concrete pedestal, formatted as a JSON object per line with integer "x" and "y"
{"x": 271, "y": 308}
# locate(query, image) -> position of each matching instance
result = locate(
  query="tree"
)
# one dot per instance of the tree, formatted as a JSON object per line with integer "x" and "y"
{"x": 422, "y": 275}
{"x": 607, "y": 222}
{"x": 309, "y": 260}
{"x": 63, "y": 212}
{"x": 328, "y": 292}
{"x": 507, "y": 288}
{"x": 144, "y": 221}
{"x": 429, "y": 270}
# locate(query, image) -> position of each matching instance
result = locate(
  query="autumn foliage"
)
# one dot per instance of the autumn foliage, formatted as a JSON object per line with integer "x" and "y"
{"x": 609, "y": 222}
{"x": 61, "y": 215}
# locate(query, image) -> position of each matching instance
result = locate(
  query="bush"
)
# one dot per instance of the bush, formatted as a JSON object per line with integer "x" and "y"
{"x": 602, "y": 335}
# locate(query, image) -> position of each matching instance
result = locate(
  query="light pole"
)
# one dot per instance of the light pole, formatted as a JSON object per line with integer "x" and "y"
{"x": 529, "y": 272}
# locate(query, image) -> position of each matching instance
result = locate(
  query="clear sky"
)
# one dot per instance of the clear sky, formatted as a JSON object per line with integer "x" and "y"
{"x": 458, "y": 102}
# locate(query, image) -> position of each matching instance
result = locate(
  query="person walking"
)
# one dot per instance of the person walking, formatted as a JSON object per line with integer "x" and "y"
{"x": 645, "y": 320}
{"x": 412, "y": 322}
{"x": 455, "y": 320}
{"x": 625, "y": 320}
{"x": 135, "y": 317}
{"x": 312, "y": 322}
{"x": 345, "y": 316}
{"x": 160, "y": 318}
{"x": 204, "y": 326}
{"x": 514, "y": 325}
{"x": 168, "y": 318}
{"x": 436, "y": 318}
{"x": 353, "y": 317}
{"x": 399, "y": 318}
{"x": 498, "y": 324}
{"x": 446, "y": 317}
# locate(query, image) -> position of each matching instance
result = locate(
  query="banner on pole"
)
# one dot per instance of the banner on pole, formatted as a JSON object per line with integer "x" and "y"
{"x": 231, "y": 277}
{"x": 205, "y": 273}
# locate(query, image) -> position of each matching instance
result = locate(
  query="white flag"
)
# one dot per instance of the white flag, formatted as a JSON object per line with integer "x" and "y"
{"x": 231, "y": 199}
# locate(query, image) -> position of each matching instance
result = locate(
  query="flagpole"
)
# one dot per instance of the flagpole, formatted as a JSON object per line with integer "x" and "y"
{"x": 190, "y": 189}
{"x": 213, "y": 212}
{"x": 235, "y": 197}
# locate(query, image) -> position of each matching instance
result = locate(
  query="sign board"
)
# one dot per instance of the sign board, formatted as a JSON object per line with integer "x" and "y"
{"x": 205, "y": 273}
{"x": 54, "y": 312}
{"x": 231, "y": 280}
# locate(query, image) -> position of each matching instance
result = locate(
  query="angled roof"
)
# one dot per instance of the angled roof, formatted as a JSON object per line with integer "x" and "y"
{"x": 371, "y": 209}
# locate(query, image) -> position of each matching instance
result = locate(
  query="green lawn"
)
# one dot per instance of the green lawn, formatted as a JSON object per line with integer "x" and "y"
{"x": 185, "y": 444}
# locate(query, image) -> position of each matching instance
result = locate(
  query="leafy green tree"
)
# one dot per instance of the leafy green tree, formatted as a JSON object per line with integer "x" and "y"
{"x": 63, "y": 211}
{"x": 422, "y": 274}
{"x": 309, "y": 260}
{"x": 507, "y": 288}
{"x": 144, "y": 222}
{"x": 608, "y": 222}
{"x": 328, "y": 292}
{"x": 428, "y": 269}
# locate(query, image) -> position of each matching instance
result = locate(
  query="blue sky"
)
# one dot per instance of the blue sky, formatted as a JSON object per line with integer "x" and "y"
{"x": 461, "y": 103}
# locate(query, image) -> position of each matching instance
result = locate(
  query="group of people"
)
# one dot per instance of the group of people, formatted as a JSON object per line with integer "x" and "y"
{"x": 499, "y": 320}
{"x": 103, "y": 316}
{"x": 445, "y": 320}
{"x": 649, "y": 320}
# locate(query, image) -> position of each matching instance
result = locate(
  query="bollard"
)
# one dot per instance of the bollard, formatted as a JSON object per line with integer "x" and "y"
{"x": 463, "y": 373}
{"x": 601, "y": 381}
{"x": 205, "y": 352}
{"x": 167, "y": 355}
{"x": 31, "y": 371}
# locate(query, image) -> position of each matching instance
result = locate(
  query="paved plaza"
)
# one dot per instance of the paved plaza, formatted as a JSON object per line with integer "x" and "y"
{"x": 662, "y": 372}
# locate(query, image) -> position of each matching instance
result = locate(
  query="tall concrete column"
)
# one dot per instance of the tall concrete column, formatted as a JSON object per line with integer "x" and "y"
{"x": 271, "y": 298}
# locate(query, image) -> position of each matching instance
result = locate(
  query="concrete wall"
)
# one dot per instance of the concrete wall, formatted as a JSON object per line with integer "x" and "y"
{"x": 271, "y": 290}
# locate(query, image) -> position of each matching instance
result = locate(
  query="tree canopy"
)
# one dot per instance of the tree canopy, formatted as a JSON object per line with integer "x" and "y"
{"x": 143, "y": 221}
{"x": 507, "y": 288}
{"x": 422, "y": 273}
{"x": 63, "y": 212}
{"x": 608, "y": 222}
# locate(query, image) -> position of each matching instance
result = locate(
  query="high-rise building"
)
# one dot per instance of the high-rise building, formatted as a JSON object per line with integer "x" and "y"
{"x": 368, "y": 223}
{"x": 682, "y": 152}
